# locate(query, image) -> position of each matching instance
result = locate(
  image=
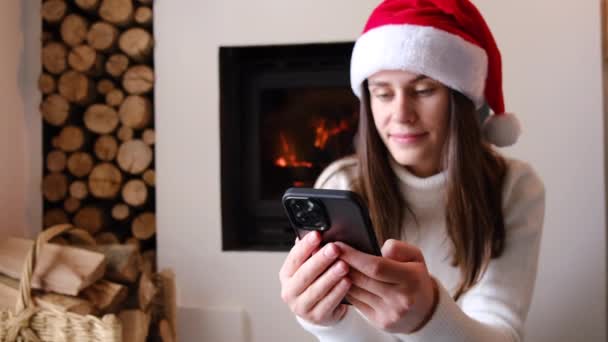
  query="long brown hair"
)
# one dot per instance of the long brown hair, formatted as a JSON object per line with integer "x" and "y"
{"x": 475, "y": 177}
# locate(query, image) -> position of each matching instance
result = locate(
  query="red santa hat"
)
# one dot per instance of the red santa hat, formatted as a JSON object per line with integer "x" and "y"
{"x": 447, "y": 40}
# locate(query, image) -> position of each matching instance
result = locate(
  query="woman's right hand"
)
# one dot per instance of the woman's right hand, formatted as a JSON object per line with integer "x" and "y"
{"x": 314, "y": 284}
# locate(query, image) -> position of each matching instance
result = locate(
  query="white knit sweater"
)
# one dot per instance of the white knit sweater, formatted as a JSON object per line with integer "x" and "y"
{"x": 495, "y": 309}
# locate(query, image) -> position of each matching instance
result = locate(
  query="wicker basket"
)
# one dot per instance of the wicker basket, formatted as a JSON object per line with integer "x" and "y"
{"x": 29, "y": 323}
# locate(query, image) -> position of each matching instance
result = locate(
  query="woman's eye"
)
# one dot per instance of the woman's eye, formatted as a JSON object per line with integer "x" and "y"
{"x": 424, "y": 91}
{"x": 382, "y": 96}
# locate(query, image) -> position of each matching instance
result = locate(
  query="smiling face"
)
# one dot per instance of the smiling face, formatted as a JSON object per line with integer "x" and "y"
{"x": 411, "y": 114}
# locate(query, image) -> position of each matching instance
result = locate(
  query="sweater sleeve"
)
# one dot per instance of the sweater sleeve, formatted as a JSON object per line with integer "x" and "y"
{"x": 495, "y": 309}
{"x": 352, "y": 328}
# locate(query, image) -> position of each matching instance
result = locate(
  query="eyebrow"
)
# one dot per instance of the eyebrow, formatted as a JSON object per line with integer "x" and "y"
{"x": 384, "y": 83}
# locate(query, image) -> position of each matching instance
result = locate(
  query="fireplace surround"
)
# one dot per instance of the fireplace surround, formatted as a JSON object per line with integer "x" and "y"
{"x": 286, "y": 112}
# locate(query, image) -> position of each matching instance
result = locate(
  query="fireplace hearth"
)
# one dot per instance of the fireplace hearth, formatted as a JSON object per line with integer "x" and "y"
{"x": 286, "y": 113}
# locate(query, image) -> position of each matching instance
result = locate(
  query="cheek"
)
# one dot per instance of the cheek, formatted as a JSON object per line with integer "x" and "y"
{"x": 440, "y": 124}
{"x": 380, "y": 116}
{"x": 437, "y": 119}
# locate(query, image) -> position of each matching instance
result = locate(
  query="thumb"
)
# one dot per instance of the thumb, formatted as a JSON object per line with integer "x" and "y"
{"x": 401, "y": 251}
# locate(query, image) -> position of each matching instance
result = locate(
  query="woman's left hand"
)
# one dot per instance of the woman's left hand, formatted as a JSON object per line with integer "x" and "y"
{"x": 395, "y": 292}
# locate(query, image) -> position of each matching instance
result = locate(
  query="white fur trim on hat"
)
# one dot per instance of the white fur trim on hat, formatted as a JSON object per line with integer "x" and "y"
{"x": 501, "y": 130}
{"x": 440, "y": 55}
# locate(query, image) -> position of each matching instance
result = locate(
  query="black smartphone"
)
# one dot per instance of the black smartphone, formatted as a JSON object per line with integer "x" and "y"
{"x": 339, "y": 215}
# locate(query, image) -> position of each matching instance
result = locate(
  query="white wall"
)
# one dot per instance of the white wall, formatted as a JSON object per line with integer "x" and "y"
{"x": 20, "y": 150}
{"x": 552, "y": 80}
{"x": 12, "y": 160}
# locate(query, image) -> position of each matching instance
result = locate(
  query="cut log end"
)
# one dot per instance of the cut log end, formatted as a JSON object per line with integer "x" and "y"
{"x": 117, "y": 64}
{"x": 53, "y": 11}
{"x": 56, "y": 161}
{"x": 136, "y": 112}
{"x": 55, "y": 110}
{"x": 104, "y": 86}
{"x": 90, "y": 218}
{"x": 70, "y": 139}
{"x": 136, "y": 43}
{"x": 76, "y": 87}
{"x": 55, "y": 187}
{"x": 120, "y": 212}
{"x": 71, "y": 204}
{"x": 54, "y": 57}
{"x": 87, "y": 5}
{"x": 80, "y": 164}
{"x": 74, "y": 29}
{"x": 85, "y": 59}
{"x": 134, "y": 156}
{"x": 149, "y": 176}
{"x": 135, "y": 193}
{"x": 46, "y": 83}
{"x": 118, "y": 12}
{"x": 143, "y": 16}
{"x": 144, "y": 226}
{"x": 102, "y": 36}
{"x": 149, "y": 136}
{"x": 101, "y": 119}
{"x": 138, "y": 80}
{"x": 115, "y": 97}
{"x": 106, "y": 148}
{"x": 125, "y": 133}
{"x": 79, "y": 190}
{"x": 105, "y": 181}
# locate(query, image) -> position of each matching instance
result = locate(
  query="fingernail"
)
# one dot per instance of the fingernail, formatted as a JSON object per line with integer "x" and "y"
{"x": 330, "y": 251}
{"x": 341, "y": 268}
{"x": 311, "y": 238}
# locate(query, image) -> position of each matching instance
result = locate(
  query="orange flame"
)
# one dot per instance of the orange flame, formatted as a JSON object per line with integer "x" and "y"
{"x": 323, "y": 133}
{"x": 288, "y": 157}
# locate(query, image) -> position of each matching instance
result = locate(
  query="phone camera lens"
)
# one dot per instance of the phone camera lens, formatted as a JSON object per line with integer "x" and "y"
{"x": 297, "y": 205}
{"x": 314, "y": 216}
{"x": 310, "y": 205}
{"x": 308, "y": 214}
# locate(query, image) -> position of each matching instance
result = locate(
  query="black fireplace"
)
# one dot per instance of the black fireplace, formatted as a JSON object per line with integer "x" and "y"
{"x": 286, "y": 113}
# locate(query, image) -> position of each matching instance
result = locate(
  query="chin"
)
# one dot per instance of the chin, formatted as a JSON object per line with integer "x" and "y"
{"x": 406, "y": 159}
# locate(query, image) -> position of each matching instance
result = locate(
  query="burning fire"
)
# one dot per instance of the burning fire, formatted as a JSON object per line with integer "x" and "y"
{"x": 323, "y": 133}
{"x": 288, "y": 157}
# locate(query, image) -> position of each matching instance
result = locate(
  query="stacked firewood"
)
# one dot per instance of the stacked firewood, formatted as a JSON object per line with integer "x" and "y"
{"x": 93, "y": 279}
{"x": 97, "y": 83}
{"x": 98, "y": 133}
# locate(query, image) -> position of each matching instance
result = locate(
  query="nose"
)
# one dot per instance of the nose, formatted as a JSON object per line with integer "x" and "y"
{"x": 404, "y": 111}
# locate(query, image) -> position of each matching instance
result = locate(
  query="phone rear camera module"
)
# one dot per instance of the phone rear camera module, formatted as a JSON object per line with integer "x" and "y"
{"x": 308, "y": 214}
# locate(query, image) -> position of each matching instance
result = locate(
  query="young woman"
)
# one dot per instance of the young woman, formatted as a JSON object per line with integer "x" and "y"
{"x": 460, "y": 224}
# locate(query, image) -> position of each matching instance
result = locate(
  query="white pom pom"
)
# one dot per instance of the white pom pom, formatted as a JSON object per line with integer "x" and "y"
{"x": 501, "y": 130}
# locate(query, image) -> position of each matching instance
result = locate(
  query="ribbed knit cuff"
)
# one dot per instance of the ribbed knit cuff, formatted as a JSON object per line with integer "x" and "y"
{"x": 353, "y": 328}
{"x": 447, "y": 324}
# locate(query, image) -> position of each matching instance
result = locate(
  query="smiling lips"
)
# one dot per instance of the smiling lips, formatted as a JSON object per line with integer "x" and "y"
{"x": 407, "y": 138}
